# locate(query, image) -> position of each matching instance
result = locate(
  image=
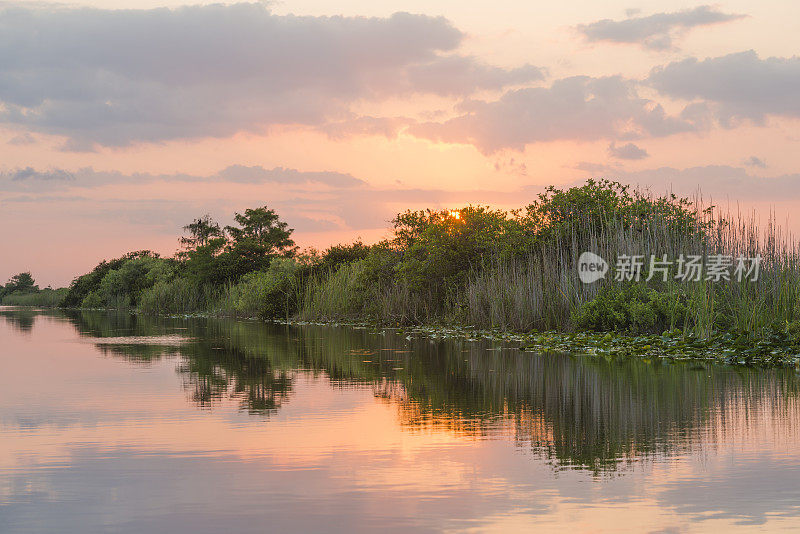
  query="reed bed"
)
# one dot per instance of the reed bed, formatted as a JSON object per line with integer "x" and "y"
{"x": 540, "y": 289}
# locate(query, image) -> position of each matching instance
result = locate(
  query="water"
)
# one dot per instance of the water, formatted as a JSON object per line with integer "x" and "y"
{"x": 116, "y": 423}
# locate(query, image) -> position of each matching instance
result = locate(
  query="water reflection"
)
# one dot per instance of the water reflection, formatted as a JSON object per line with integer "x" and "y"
{"x": 19, "y": 319}
{"x": 120, "y": 423}
{"x": 576, "y": 412}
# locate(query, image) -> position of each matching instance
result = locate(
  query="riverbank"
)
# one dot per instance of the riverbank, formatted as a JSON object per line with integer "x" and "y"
{"x": 780, "y": 349}
{"x": 671, "y": 278}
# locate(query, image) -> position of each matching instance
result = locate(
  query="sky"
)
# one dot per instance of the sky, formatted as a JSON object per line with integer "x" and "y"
{"x": 121, "y": 121}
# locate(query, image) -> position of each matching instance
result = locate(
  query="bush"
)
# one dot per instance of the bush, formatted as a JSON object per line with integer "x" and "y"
{"x": 635, "y": 309}
{"x": 440, "y": 247}
{"x": 269, "y": 294}
{"x": 82, "y": 286}
{"x": 92, "y": 301}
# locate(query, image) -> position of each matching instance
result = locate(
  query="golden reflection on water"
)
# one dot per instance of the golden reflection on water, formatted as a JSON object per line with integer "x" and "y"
{"x": 126, "y": 423}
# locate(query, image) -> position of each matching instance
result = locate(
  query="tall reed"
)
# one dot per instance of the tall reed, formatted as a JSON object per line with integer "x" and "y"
{"x": 541, "y": 289}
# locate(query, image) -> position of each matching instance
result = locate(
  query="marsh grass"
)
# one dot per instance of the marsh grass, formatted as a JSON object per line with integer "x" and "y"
{"x": 49, "y": 298}
{"x": 540, "y": 289}
{"x": 338, "y": 295}
{"x": 179, "y": 295}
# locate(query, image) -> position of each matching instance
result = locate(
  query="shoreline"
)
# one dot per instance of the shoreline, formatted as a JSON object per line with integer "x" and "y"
{"x": 722, "y": 348}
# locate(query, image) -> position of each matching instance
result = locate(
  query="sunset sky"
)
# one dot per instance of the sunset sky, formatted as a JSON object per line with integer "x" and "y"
{"x": 120, "y": 121}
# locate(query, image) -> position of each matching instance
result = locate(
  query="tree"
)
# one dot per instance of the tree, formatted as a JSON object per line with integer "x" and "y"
{"x": 263, "y": 227}
{"x": 201, "y": 231}
{"x": 259, "y": 237}
{"x": 22, "y": 282}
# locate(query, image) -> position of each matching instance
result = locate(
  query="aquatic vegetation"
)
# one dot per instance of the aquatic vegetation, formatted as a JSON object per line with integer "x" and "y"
{"x": 493, "y": 270}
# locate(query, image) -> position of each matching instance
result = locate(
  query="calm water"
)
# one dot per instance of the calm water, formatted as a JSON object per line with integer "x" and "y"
{"x": 115, "y": 423}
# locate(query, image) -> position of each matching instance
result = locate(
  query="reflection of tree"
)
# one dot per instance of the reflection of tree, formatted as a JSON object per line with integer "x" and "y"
{"x": 217, "y": 361}
{"x": 587, "y": 412}
{"x": 20, "y": 318}
{"x": 215, "y": 374}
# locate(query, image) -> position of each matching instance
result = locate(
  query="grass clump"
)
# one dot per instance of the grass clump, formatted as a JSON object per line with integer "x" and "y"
{"x": 635, "y": 309}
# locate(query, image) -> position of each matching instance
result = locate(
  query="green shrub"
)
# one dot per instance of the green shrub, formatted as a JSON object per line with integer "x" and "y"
{"x": 269, "y": 294}
{"x": 92, "y": 300}
{"x": 635, "y": 309}
{"x": 81, "y": 286}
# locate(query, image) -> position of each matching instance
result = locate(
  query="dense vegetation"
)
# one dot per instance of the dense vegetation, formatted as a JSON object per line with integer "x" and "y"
{"x": 475, "y": 266}
{"x": 22, "y": 290}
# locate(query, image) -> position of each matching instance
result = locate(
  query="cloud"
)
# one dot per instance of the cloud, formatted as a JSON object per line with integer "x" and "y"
{"x": 656, "y": 31}
{"x": 29, "y": 175}
{"x": 22, "y": 139}
{"x": 258, "y": 174}
{"x": 740, "y": 86}
{"x": 627, "y": 151}
{"x": 594, "y": 168}
{"x": 577, "y": 108}
{"x": 114, "y": 77}
{"x": 718, "y": 181}
{"x": 31, "y": 180}
{"x": 388, "y": 127}
{"x": 458, "y": 75}
{"x": 755, "y": 161}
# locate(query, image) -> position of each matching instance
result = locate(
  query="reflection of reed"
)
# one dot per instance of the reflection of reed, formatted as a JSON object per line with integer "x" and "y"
{"x": 576, "y": 411}
{"x": 595, "y": 413}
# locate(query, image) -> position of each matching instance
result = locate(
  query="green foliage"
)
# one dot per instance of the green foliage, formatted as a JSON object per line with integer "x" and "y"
{"x": 607, "y": 204}
{"x": 478, "y": 266}
{"x": 269, "y": 294}
{"x": 339, "y": 295}
{"x": 635, "y": 309}
{"x": 212, "y": 257}
{"x": 21, "y": 283}
{"x": 201, "y": 231}
{"x": 259, "y": 237}
{"x": 85, "y": 284}
{"x": 122, "y": 285}
{"x": 440, "y": 247}
{"x": 340, "y": 254}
